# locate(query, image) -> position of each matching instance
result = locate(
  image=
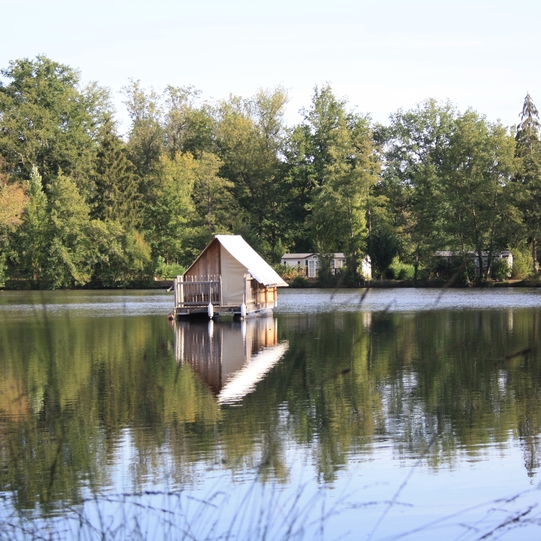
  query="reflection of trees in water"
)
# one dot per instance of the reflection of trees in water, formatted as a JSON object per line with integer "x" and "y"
{"x": 75, "y": 392}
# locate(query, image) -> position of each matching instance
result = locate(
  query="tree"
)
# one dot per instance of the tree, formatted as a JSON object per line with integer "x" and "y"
{"x": 146, "y": 137}
{"x": 212, "y": 195}
{"x": 479, "y": 166}
{"x": 13, "y": 200}
{"x": 416, "y": 145}
{"x": 68, "y": 242}
{"x": 250, "y": 136}
{"x": 170, "y": 212}
{"x": 337, "y": 169}
{"x": 187, "y": 127}
{"x": 115, "y": 195}
{"x": 121, "y": 256}
{"x": 528, "y": 176}
{"x": 48, "y": 119}
{"x": 30, "y": 239}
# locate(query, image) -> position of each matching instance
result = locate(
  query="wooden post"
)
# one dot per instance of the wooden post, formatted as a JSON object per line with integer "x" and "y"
{"x": 221, "y": 295}
{"x": 181, "y": 290}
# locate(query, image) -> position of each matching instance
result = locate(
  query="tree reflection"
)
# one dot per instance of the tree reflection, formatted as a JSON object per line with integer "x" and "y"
{"x": 78, "y": 395}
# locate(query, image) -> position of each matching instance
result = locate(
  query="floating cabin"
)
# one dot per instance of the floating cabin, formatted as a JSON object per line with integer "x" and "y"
{"x": 228, "y": 277}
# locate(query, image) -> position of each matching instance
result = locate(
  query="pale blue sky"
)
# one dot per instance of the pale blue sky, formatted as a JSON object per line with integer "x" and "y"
{"x": 380, "y": 55}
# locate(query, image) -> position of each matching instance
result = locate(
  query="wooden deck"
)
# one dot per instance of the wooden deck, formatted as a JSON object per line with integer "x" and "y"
{"x": 193, "y": 294}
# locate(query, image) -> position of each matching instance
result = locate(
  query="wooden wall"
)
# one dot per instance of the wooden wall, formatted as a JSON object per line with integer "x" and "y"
{"x": 208, "y": 263}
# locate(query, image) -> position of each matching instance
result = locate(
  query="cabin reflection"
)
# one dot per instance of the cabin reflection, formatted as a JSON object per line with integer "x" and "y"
{"x": 231, "y": 357}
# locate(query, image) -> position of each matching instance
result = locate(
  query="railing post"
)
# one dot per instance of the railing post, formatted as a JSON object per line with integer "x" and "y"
{"x": 181, "y": 290}
{"x": 221, "y": 292}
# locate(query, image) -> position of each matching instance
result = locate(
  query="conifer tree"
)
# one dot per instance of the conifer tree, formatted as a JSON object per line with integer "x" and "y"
{"x": 528, "y": 177}
{"x": 116, "y": 186}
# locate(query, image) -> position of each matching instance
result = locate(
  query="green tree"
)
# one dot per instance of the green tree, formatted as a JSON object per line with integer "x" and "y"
{"x": 146, "y": 137}
{"x": 121, "y": 255}
{"x": 30, "y": 240}
{"x": 48, "y": 119}
{"x": 336, "y": 168}
{"x": 170, "y": 212}
{"x": 528, "y": 176}
{"x": 212, "y": 195}
{"x": 416, "y": 146}
{"x": 479, "y": 167}
{"x": 250, "y": 137}
{"x": 187, "y": 126}
{"x": 68, "y": 242}
{"x": 115, "y": 195}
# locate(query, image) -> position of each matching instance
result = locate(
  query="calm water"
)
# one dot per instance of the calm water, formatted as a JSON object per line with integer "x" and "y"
{"x": 394, "y": 414}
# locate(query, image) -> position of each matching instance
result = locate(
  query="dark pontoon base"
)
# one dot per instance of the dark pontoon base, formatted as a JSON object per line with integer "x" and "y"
{"x": 235, "y": 313}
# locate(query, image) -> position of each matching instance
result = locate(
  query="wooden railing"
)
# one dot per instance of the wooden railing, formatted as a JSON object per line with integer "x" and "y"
{"x": 197, "y": 290}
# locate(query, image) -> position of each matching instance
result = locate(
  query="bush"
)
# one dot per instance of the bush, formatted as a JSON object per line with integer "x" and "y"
{"x": 288, "y": 273}
{"x": 299, "y": 281}
{"x": 500, "y": 270}
{"x": 402, "y": 271}
{"x": 522, "y": 264}
{"x": 168, "y": 271}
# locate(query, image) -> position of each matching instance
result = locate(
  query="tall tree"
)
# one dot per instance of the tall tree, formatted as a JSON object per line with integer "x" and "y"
{"x": 170, "y": 213}
{"x": 336, "y": 167}
{"x": 416, "y": 145}
{"x": 250, "y": 138}
{"x": 212, "y": 195}
{"x": 188, "y": 126}
{"x": 30, "y": 239}
{"x": 146, "y": 137}
{"x": 48, "y": 119}
{"x": 115, "y": 195}
{"x": 479, "y": 166}
{"x": 528, "y": 177}
{"x": 13, "y": 200}
{"x": 69, "y": 262}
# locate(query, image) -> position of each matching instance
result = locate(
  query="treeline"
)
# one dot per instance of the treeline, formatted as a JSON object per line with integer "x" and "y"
{"x": 81, "y": 205}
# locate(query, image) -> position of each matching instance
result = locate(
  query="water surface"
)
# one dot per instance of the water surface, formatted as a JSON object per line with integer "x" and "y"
{"x": 347, "y": 415}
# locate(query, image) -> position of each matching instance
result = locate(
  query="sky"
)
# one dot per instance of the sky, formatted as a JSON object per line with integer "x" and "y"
{"x": 379, "y": 55}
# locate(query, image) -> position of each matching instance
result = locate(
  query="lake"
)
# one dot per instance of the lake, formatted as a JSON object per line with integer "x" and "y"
{"x": 348, "y": 414}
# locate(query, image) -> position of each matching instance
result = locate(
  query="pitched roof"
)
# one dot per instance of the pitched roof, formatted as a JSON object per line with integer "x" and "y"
{"x": 250, "y": 259}
{"x": 336, "y": 255}
{"x": 297, "y": 256}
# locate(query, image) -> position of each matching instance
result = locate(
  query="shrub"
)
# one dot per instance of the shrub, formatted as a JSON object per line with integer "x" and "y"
{"x": 402, "y": 271}
{"x": 500, "y": 270}
{"x": 168, "y": 271}
{"x": 299, "y": 281}
{"x": 522, "y": 264}
{"x": 289, "y": 273}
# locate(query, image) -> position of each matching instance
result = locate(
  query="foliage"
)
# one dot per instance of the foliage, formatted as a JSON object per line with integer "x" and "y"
{"x": 500, "y": 270}
{"x": 48, "y": 119}
{"x": 288, "y": 272}
{"x": 299, "y": 282}
{"x": 79, "y": 204}
{"x": 168, "y": 271}
{"x": 522, "y": 263}
{"x": 528, "y": 176}
{"x": 402, "y": 271}
{"x": 384, "y": 248}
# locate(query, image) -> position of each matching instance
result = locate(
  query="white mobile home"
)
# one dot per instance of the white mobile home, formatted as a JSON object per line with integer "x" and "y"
{"x": 309, "y": 263}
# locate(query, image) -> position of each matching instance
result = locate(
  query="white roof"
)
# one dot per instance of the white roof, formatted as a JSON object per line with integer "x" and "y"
{"x": 250, "y": 259}
{"x": 298, "y": 256}
{"x": 336, "y": 255}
